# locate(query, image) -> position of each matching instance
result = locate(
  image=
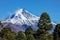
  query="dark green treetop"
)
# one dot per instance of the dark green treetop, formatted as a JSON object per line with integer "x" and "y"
{"x": 45, "y": 22}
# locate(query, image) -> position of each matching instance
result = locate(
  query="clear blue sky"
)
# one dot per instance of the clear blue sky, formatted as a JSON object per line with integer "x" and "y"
{"x": 36, "y": 7}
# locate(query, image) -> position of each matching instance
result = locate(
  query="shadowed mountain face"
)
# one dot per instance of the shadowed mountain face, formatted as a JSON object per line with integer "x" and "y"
{"x": 21, "y": 20}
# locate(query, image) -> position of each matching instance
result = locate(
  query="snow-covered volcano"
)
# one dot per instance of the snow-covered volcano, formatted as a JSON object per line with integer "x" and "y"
{"x": 21, "y": 17}
{"x": 21, "y": 20}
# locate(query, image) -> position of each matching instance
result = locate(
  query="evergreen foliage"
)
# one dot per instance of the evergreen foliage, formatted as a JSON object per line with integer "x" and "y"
{"x": 44, "y": 27}
{"x": 21, "y": 36}
{"x": 45, "y": 22}
{"x": 7, "y": 34}
{"x": 57, "y": 32}
{"x": 29, "y": 31}
{"x": 30, "y": 37}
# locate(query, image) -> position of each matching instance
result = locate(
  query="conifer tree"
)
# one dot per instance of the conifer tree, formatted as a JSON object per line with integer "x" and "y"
{"x": 45, "y": 22}
{"x": 29, "y": 31}
{"x": 8, "y": 34}
{"x": 44, "y": 27}
{"x": 57, "y": 32}
{"x": 21, "y": 36}
{"x": 30, "y": 37}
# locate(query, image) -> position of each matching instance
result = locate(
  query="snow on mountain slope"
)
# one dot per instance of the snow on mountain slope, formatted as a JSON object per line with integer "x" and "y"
{"x": 22, "y": 17}
{"x": 21, "y": 20}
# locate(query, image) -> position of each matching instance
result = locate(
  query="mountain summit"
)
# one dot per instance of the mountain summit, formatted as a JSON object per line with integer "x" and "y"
{"x": 21, "y": 20}
{"x": 22, "y": 16}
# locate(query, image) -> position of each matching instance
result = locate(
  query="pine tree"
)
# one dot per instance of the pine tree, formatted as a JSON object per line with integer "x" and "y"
{"x": 8, "y": 34}
{"x": 46, "y": 36}
{"x": 57, "y": 32}
{"x": 45, "y": 22}
{"x": 29, "y": 31}
{"x": 30, "y": 37}
{"x": 44, "y": 27}
{"x": 43, "y": 35}
{"x": 21, "y": 36}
